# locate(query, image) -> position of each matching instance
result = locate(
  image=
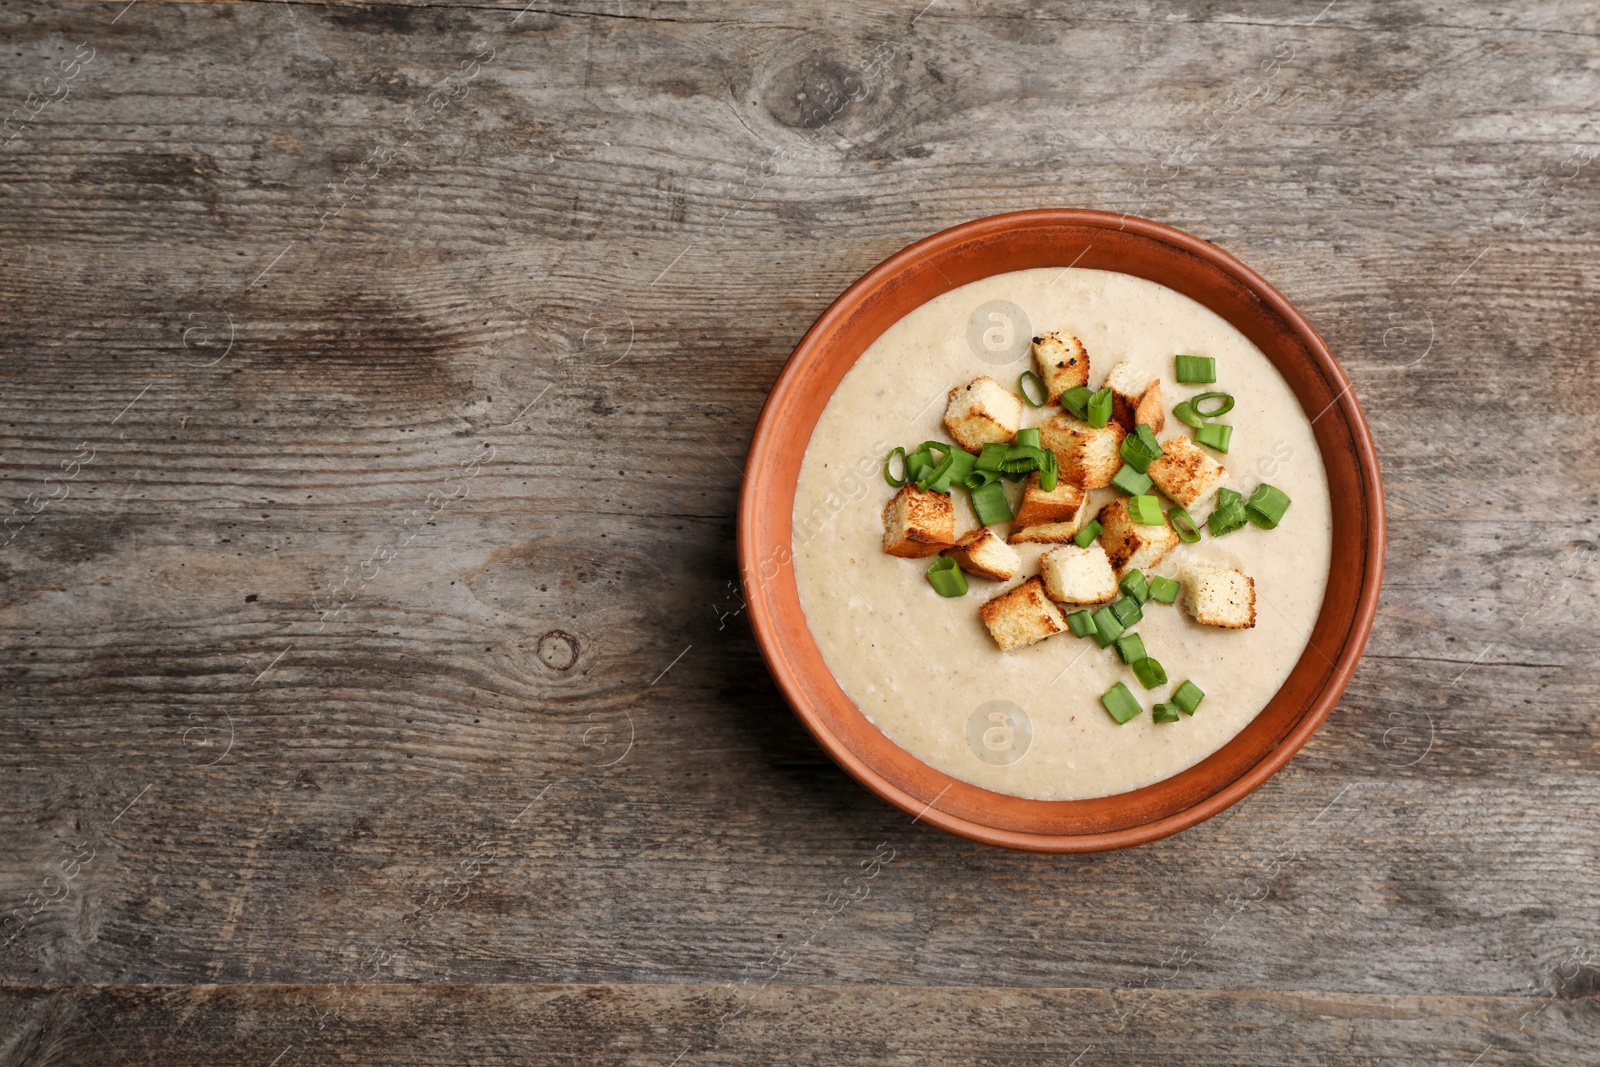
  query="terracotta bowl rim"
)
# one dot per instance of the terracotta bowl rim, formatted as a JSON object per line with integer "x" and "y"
{"x": 767, "y": 435}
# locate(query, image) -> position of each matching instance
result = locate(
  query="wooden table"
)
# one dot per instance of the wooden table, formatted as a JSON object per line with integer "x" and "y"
{"x": 376, "y": 685}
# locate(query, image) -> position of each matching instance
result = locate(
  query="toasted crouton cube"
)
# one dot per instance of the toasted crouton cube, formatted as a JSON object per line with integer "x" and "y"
{"x": 1022, "y": 616}
{"x": 1135, "y": 397}
{"x": 1061, "y": 362}
{"x": 1130, "y": 545}
{"x": 1218, "y": 596}
{"x": 1049, "y": 517}
{"x": 980, "y": 412}
{"x": 1184, "y": 472}
{"x": 1086, "y": 457}
{"x": 981, "y": 552}
{"x": 1076, "y": 575}
{"x": 918, "y": 523}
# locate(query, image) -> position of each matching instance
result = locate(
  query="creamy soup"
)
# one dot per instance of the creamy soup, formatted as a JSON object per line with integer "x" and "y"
{"x": 924, "y": 669}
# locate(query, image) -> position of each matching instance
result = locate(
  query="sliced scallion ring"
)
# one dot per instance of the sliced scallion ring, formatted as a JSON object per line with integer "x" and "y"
{"x": 1266, "y": 506}
{"x": 1022, "y": 387}
{"x": 1149, "y": 672}
{"x": 1224, "y": 404}
{"x": 989, "y": 503}
{"x": 1099, "y": 408}
{"x": 1048, "y": 473}
{"x": 1120, "y": 702}
{"x": 1196, "y": 370}
{"x": 1075, "y": 401}
{"x": 1182, "y": 524}
{"x": 1214, "y": 435}
{"x": 1164, "y": 590}
{"x": 888, "y": 468}
{"x": 1027, "y": 438}
{"x": 1188, "y": 696}
{"x": 946, "y": 578}
{"x": 1184, "y": 412}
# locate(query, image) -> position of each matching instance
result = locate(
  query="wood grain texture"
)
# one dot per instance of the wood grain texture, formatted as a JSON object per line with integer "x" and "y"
{"x": 376, "y": 384}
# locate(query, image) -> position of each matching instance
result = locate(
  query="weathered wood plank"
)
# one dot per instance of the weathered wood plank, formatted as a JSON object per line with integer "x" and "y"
{"x": 824, "y": 1024}
{"x": 248, "y": 349}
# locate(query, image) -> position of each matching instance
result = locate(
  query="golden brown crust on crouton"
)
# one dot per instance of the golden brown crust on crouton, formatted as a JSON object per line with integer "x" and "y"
{"x": 918, "y": 523}
{"x": 1220, "y": 596}
{"x": 1074, "y": 575}
{"x": 1085, "y": 456}
{"x": 1022, "y": 616}
{"x": 980, "y": 412}
{"x": 1184, "y": 472}
{"x": 1061, "y": 504}
{"x": 981, "y": 552}
{"x": 1130, "y": 545}
{"x": 1129, "y": 386}
{"x": 1061, "y": 362}
{"x": 1150, "y": 410}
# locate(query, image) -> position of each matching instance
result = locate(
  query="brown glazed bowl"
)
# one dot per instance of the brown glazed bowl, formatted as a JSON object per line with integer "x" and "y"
{"x": 1059, "y": 238}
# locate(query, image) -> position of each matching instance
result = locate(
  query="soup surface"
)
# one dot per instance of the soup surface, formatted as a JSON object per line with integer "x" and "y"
{"x": 924, "y": 669}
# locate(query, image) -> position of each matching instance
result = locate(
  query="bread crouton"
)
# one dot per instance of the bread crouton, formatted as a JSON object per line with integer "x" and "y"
{"x": 1022, "y": 616}
{"x": 1184, "y": 472}
{"x": 1076, "y": 575}
{"x": 980, "y": 412}
{"x": 1218, "y": 596}
{"x": 918, "y": 523}
{"x": 1061, "y": 362}
{"x": 1086, "y": 457}
{"x": 981, "y": 552}
{"x": 1130, "y": 545}
{"x": 1135, "y": 397}
{"x": 1049, "y": 517}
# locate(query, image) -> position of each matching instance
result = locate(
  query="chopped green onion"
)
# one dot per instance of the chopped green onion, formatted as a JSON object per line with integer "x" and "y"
{"x": 1076, "y": 401}
{"x": 1131, "y": 648}
{"x": 1188, "y": 696}
{"x": 1150, "y": 672}
{"x": 1131, "y": 481}
{"x": 1134, "y": 585}
{"x": 1196, "y": 370}
{"x": 1134, "y": 454}
{"x": 977, "y": 479}
{"x": 1214, "y": 435}
{"x": 1022, "y": 460}
{"x": 1082, "y": 623}
{"x": 1224, "y": 404}
{"x": 961, "y": 464}
{"x": 989, "y": 503}
{"x": 1184, "y": 412}
{"x": 1145, "y": 510}
{"x": 1266, "y": 506}
{"x": 1028, "y": 438}
{"x": 993, "y": 456}
{"x": 1099, "y": 408}
{"x": 1121, "y": 703}
{"x": 1164, "y": 590}
{"x": 1183, "y": 525}
{"x": 1147, "y": 437}
{"x": 927, "y": 480}
{"x": 1048, "y": 473}
{"x": 918, "y": 463}
{"x": 1107, "y": 627}
{"x": 946, "y": 578}
{"x": 888, "y": 468}
{"x": 1228, "y": 515}
{"x": 1164, "y": 713}
{"x": 1085, "y": 537}
{"x": 1127, "y": 611}
{"x": 1044, "y": 394}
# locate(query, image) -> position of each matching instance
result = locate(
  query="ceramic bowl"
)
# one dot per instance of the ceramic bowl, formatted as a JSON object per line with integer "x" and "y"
{"x": 1059, "y": 238}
